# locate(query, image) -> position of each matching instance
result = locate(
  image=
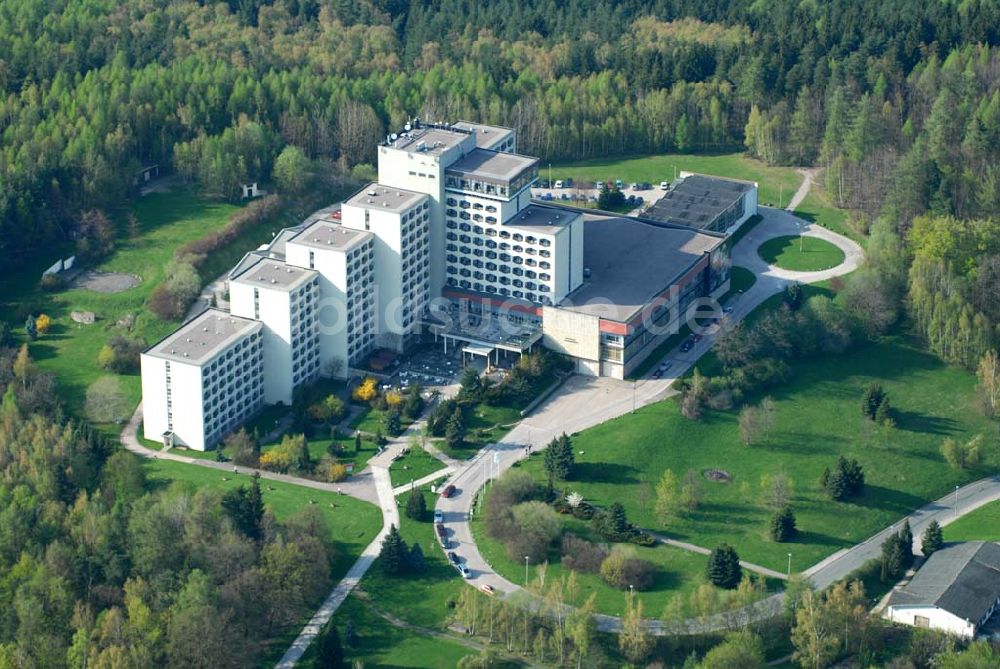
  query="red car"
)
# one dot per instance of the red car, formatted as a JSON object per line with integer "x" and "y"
{"x": 448, "y": 491}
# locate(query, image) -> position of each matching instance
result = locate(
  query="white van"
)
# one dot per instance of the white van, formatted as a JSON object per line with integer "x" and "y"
{"x": 664, "y": 185}
{"x": 559, "y": 183}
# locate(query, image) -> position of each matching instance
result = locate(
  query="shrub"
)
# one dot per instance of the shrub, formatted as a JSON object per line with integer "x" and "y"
{"x": 43, "y": 323}
{"x": 963, "y": 456}
{"x": 621, "y": 569}
{"x": 121, "y": 355}
{"x": 243, "y": 448}
{"x": 612, "y": 525}
{"x": 337, "y": 472}
{"x": 582, "y": 555}
{"x": 365, "y": 391}
{"x": 51, "y": 283}
{"x": 292, "y": 454}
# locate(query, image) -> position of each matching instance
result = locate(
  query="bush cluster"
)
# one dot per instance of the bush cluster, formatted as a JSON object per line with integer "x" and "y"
{"x": 121, "y": 355}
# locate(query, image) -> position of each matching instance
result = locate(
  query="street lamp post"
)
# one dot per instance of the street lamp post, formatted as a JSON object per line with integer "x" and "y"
{"x": 525, "y": 571}
{"x": 956, "y": 501}
{"x": 789, "y": 565}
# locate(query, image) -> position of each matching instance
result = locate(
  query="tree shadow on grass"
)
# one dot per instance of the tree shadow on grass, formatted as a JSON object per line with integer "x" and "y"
{"x": 911, "y": 421}
{"x": 887, "y": 499}
{"x": 817, "y": 539}
{"x": 604, "y": 472}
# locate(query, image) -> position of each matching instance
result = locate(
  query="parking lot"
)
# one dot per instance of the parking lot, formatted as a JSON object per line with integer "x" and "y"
{"x": 586, "y": 194}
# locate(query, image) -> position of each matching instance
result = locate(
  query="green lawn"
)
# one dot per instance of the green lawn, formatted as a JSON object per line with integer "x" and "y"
{"x": 818, "y": 418}
{"x": 741, "y": 280}
{"x": 166, "y": 221}
{"x": 382, "y": 645}
{"x": 774, "y": 182}
{"x": 413, "y": 466}
{"x": 983, "y": 524}
{"x": 418, "y": 599}
{"x": 801, "y": 254}
{"x": 484, "y": 425}
{"x": 678, "y": 572}
{"x": 816, "y": 208}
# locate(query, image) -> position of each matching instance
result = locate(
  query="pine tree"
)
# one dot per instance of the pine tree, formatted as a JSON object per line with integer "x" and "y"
{"x": 932, "y": 540}
{"x": 723, "y": 569}
{"x": 357, "y": 442}
{"x": 454, "y": 434}
{"x": 416, "y": 505}
{"x": 394, "y": 552}
{"x": 415, "y": 561}
{"x": 329, "y": 653}
{"x": 783, "y": 525}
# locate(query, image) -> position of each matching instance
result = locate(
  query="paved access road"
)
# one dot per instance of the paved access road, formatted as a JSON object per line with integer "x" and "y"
{"x": 584, "y": 402}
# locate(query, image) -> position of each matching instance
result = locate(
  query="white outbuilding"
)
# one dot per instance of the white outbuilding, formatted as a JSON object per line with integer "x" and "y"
{"x": 956, "y": 591}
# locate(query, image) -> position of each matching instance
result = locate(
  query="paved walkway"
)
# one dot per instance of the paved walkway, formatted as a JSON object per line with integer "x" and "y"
{"x": 360, "y": 486}
{"x": 430, "y": 478}
{"x": 390, "y": 516}
{"x": 701, "y": 550}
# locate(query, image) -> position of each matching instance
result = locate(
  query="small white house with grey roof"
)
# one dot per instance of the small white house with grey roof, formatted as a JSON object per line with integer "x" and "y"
{"x": 956, "y": 591}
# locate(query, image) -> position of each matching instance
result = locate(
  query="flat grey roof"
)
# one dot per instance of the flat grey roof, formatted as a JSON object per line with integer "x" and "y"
{"x": 492, "y": 165}
{"x": 385, "y": 198}
{"x": 327, "y": 235}
{"x": 697, "y": 200}
{"x": 275, "y": 275}
{"x": 430, "y": 140}
{"x": 630, "y": 262}
{"x": 203, "y": 336}
{"x": 486, "y": 135}
{"x": 539, "y": 218}
{"x": 963, "y": 579}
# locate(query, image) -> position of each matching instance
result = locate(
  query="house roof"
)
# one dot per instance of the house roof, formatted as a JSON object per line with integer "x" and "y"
{"x": 962, "y": 579}
{"x": 275, "y": 275}
{"x": 492, "y": 166}
{"x": 202, "y": 337}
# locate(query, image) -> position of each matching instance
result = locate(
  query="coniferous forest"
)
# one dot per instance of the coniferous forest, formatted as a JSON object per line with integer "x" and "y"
{"x": 897, "y": 98}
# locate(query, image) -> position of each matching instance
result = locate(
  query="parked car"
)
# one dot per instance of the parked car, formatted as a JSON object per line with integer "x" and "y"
{"x": 567, "y": 183}
{"x": 657, "y": 374}
{"x": 558, "y": 184}
{"x": 635, "y": 186}
{"x": 337, "y": 214}
{"x": 727, "y": 310}
{"x": 547, "y": 197}
{"x": 645, "y": 185}
{"x": 687, "y": 346}
{"x": 464, "y": 571}
{"x": 664, "y": 185}
{"x": 619, "y": 184}
{"x": 664, "y": 366}
{"x": 698, "y": 338}
{"x": 564, "y": 196}
{"x": 543, "y": 183}
{"x": 453, "y": 558}
{"x": 448, "y": 491}
{"x": 438, "y": 516}
{"x": 487, "y": 588}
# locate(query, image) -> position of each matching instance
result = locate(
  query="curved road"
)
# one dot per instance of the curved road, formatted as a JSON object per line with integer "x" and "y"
{"x": 583, "y": 402}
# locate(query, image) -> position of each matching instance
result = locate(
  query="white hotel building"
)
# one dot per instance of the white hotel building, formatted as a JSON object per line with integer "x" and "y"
{"x": 448, "y": 242}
